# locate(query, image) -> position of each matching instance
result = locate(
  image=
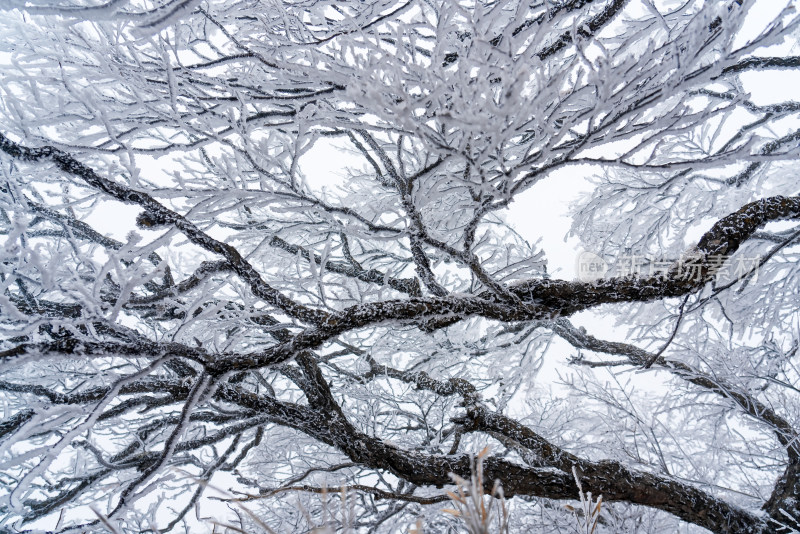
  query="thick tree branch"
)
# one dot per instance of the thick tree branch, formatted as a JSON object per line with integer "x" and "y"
{"x": 162, "y": 215}
{"x": 540, "y": 299}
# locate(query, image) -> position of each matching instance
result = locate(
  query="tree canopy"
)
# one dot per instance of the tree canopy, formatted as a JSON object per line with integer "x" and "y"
{"x": 256, "y": 251}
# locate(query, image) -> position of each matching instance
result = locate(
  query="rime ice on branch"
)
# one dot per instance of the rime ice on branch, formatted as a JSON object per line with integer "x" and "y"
{"x": 262, "y": 318}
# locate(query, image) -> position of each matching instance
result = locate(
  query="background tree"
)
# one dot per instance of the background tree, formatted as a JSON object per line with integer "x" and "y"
{"x": 276, "y": 328}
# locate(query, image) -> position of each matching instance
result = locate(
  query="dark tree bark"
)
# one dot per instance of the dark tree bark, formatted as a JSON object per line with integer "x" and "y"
{"x": 287, "y": 321}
